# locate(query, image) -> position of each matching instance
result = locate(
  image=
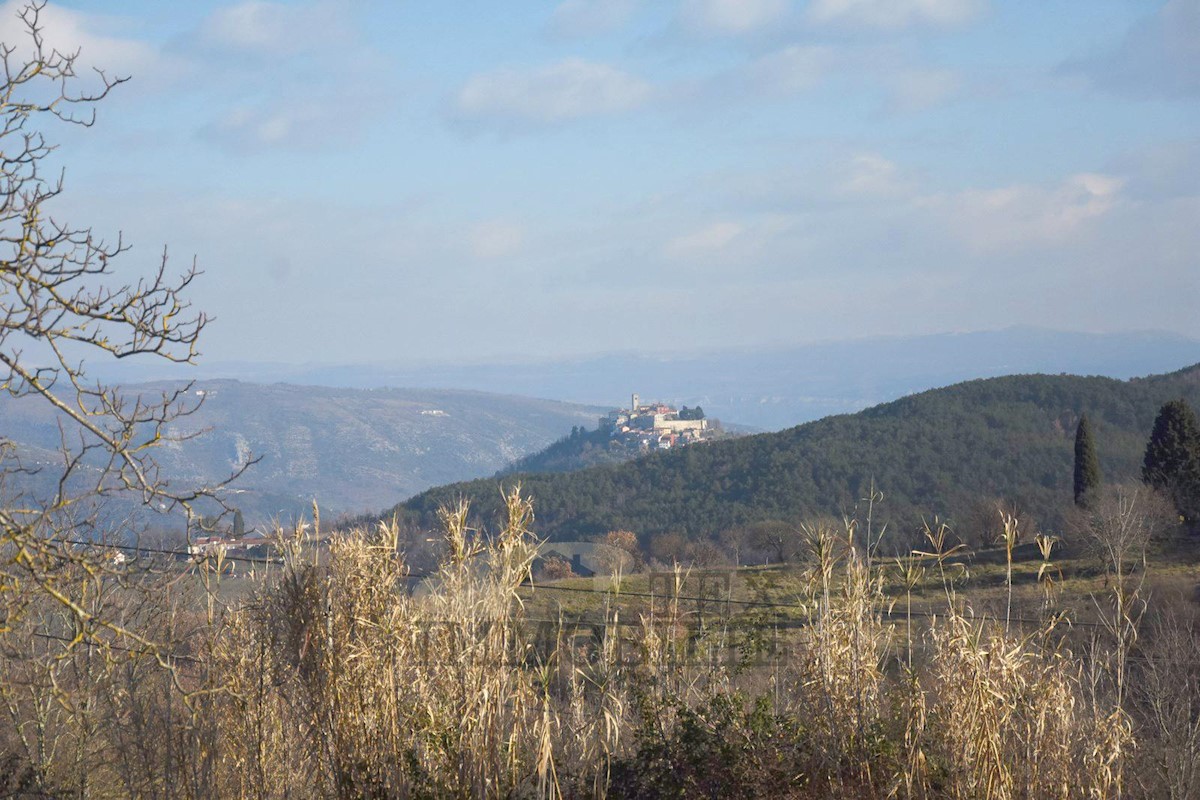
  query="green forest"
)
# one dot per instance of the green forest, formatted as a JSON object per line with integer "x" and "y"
{"x": 940, "y": 452}
{"x": 580, "y": 449}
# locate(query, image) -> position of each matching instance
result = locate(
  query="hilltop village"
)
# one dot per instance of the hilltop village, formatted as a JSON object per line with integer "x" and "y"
{"x": 655, "y": 426}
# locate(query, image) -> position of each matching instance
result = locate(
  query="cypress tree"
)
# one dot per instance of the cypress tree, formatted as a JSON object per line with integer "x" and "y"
{"x": 1087, "y": 464}
{"x": 1172, "y": 462}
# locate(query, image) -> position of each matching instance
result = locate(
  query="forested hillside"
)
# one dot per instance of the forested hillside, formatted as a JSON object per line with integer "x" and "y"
{"x": 939, "y": 452}
{"x": 582, "y": 448}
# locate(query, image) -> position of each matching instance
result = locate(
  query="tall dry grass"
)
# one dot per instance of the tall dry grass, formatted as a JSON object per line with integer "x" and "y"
{"x": 338, "y": 675}
{"x": 351, "y": 687}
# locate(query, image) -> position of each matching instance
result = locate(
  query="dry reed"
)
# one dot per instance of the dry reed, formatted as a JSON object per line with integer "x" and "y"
{"x": 333, "y": 678}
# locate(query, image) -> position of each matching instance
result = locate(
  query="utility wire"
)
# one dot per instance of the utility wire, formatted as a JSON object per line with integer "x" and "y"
{"x": 421, "y": 575}
{"x": 140, "y": 651}
{"x": 716, "y": 601}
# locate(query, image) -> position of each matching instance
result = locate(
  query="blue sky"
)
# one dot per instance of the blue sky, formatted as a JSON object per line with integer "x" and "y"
{"x": 369, "y": 181}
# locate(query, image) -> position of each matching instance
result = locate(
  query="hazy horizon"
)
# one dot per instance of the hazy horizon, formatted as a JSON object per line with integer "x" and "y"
{"x": 212, "y": 367}
{"x": 762, "y": 388}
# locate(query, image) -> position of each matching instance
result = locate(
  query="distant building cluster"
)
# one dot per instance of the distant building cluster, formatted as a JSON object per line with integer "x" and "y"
{"x": 655, "y": 426}
{"x": 252, "y": 544}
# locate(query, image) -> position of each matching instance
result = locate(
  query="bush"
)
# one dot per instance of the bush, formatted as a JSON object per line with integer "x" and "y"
{"x": 723, "y": 747}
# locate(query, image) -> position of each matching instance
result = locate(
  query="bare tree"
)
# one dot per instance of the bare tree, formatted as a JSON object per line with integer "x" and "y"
{"x": 1167, "y": 694}
{"x": 777, "y": 541}
{"x": 60, "y": 304}
{"x": 982, "y": 524}
{"x": 1117, "y": 526}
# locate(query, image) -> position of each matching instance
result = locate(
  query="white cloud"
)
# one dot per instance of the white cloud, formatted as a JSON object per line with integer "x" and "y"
{"x": 285, "y": 105}
{"x": 303, "y": 118}
{"x": 266, "y": 29}
{"x": 307, "y": 64}
{"x": 496, "y": 239}
{"x": 920, "y": 89}
{"x": 1025, "y": 215}
{"x": 798, "y": 68}
{"x": 570, "y": 89}
{"x": 871, "y": 175}
{"x": 731, "y": 16}
{"x": 892, "y": 14}
{"x": 68, "y": 31}
{"x": 258, "y": 127}
{"x": 704, "y": 241}
{"x": 793, "y": 69}
{"x": 590, "y": 17}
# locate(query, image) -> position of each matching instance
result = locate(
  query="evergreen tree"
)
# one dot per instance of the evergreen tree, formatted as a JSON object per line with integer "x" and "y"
{"x": 1087, "y": 464}
{"x": 1172, "y": 462}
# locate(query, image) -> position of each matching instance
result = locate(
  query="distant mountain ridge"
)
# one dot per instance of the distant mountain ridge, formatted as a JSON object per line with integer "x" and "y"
{"x": 353, "y": 450}
{"x": 775, "y": 387}
{"x": 934, "y": 453}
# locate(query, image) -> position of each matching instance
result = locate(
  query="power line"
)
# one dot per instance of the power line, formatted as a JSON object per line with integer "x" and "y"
{"x": 716, "y": 601}
{"x": 792, "y": 624}
{"x": 421, "y": 575}
{"x": 123, "y": 649}
{"x": 618, "y": 593}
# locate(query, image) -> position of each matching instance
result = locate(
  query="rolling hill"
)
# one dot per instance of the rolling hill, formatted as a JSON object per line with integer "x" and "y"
{"x": 354, "y": 450}
{"x": 933, "y": 453}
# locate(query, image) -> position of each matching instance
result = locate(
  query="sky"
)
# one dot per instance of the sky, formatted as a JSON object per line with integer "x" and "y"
{"x": 366, "y": 181}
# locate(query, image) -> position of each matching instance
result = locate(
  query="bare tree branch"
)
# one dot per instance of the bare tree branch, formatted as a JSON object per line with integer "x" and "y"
{"x": 60, "y": 304}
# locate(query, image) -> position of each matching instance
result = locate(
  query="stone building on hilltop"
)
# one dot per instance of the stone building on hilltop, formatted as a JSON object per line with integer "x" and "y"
{"x": 653, "y": 426}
